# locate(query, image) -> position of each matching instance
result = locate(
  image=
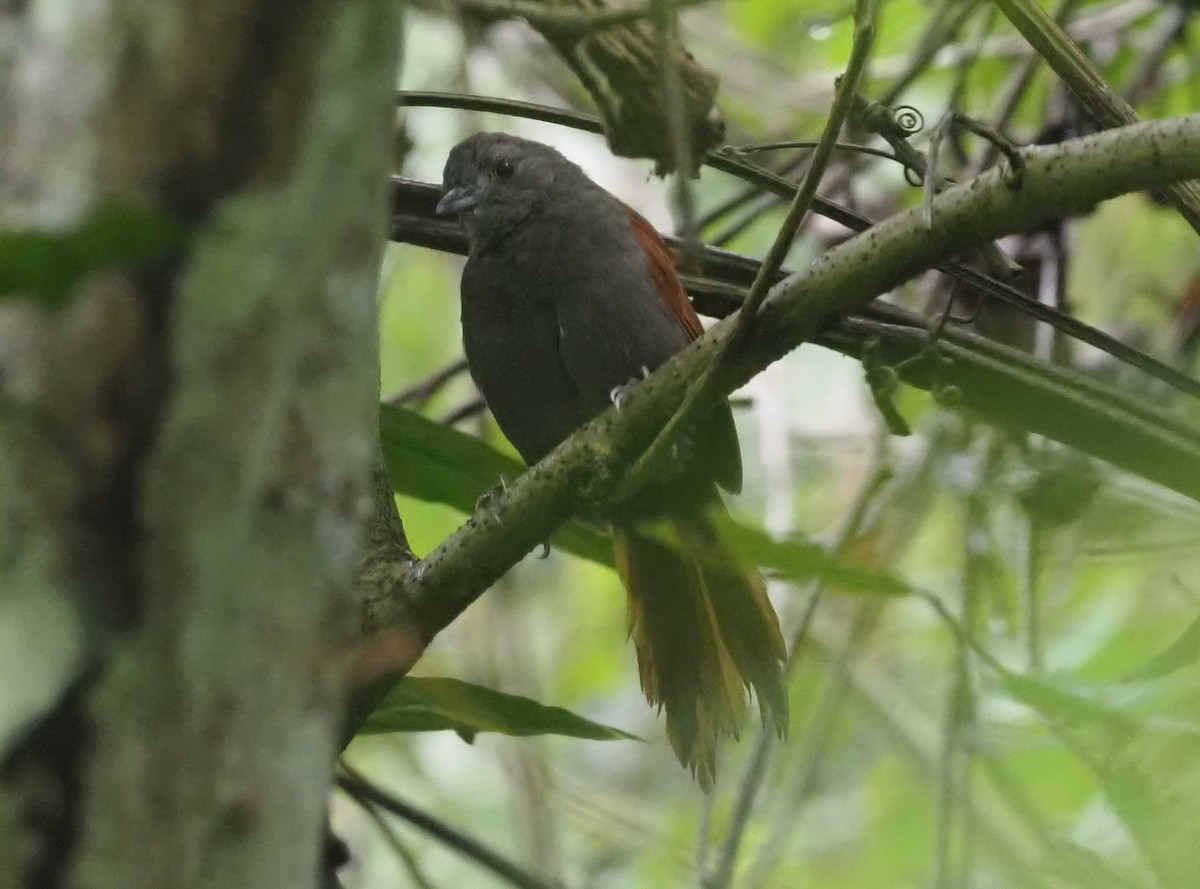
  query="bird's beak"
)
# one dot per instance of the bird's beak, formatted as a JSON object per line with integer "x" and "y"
{"x": 458, "y": 200}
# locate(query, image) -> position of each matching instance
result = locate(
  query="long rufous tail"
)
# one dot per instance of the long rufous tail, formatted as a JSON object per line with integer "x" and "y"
{"x": 705, "y": 632}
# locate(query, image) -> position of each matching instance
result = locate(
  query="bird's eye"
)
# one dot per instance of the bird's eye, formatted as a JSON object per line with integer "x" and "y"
{"x": 505, "y": 168}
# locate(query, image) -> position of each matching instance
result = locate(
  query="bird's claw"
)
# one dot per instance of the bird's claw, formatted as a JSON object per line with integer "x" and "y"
{"x": 487, "y": 502}
{"x": 545, "y": 547}
{"x": 618, "y": 394}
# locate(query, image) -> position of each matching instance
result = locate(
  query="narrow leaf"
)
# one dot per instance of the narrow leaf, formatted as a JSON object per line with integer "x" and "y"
{"x": 46, "y": 265}
{"x": 1183, "y": 652}
{"x": 438, "y": 464}
{"x": 1059, "y": 705}
{"x": 426, "y": 704}
{"x": 797, "y": 559}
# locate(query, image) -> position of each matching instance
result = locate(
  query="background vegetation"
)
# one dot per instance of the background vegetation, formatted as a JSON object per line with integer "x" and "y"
{"x": 972, "y": 466}
{"x": 1037, "y": 729}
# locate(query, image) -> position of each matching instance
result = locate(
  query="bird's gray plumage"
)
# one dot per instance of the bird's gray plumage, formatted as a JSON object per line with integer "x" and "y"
{"x": 560, "y": 304}
{"x": 550, "y": 329}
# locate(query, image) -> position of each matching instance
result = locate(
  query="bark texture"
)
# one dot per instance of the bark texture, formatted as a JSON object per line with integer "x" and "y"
{"x": 187, "y": 439}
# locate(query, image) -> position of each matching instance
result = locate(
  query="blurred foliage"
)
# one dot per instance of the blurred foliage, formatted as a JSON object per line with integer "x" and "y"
{"x": 1030, "y": 717}
{"x": 46, "y": 265}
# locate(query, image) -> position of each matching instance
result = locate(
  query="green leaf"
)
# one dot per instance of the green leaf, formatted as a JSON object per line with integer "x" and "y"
{"x": 438, "y": 464}
{"x": 1183, "y": 652}
{"x": 47, "y": 265}
{"x": 1064, "y": 707}
{"x": 1014, "y": 390}
{"x": 427, "y": 704}
{"x": 796, "y": 559}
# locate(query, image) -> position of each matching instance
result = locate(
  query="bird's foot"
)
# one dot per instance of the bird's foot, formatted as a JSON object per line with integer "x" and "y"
{"x": 487, "y": 504}
{"x": 618, "y": 394}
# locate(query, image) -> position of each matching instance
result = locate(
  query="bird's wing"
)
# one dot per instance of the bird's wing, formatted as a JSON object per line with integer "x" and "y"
{"x": 662, "y": 268}
{"x": 726, "y": 459}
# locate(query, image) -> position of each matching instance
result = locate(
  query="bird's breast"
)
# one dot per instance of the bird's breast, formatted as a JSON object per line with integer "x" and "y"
{"x": 512, "y": 343}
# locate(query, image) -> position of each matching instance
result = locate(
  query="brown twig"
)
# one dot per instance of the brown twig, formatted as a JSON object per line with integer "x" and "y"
{"x": 655, "y": 455}
{"x": 360, "y": 788}
{"x": 419, "y": 393}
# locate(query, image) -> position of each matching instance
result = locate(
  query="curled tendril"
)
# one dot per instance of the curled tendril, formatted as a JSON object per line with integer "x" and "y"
{"x": 908, "y": 119}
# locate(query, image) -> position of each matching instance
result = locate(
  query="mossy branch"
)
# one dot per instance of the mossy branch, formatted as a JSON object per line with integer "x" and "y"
{"x": 1056, "y": 181}
{"x": 1078, "y": 72}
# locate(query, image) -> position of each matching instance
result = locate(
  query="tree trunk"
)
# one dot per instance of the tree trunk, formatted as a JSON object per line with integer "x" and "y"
{"x": 192, "y": 204}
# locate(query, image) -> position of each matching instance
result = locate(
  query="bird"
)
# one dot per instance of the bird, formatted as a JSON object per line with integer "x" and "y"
{"x": 567, "y": 296}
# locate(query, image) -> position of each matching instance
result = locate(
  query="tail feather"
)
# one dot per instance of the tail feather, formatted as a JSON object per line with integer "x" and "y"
{"x": 749, "y": 626}
{"x": 704, "y": 631}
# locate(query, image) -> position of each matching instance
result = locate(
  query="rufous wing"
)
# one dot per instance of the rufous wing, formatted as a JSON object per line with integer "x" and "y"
{"x": 719, "y": 431}
{"x": 666, "y": 281}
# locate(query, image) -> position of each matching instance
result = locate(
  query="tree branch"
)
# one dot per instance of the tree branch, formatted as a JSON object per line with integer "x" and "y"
{"x": 657, "y": 454}
{"x": 585, "y": 469}
{"x": 365, "y": 792}
{"x": 1108, "y": 109}
{"x": 414, "y": 222}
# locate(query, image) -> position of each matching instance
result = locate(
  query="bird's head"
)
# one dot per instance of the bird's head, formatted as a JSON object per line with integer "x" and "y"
{"x": 493, "y": 181}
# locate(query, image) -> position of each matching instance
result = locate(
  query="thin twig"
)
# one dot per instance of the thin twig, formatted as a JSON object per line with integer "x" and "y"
{"x": 1171, "y": 32}
{"x": 746, "y": 195}
{"x": 1027, "y": 584}
{"x": 1074, "y": 328}
{"x": 1096, "y": 869}
{"x": 1013, "y": 92}
{"x": 703, "y": 832}
{"x": 406, "y": 855}
{"x": 864, "y": 39}
{"x": 721, "y": 875}
{"x": 420, "y": 392}
{"x": 943, "y": 24}
{"x": 974, "y": 50}
{"x": 723, "y": 237}
{"x": 769, "y": 201}
{"x": 822, "y": 719}
{"x": 882, "y": 491}
{"x": 466, "y": 411}
{"x": 941, "y": 133}
{"x": 809, "y": 143}
{"x": 886, "y": 701}
{"x": 357, "y": 786}
{"x": 951, "y": 767}
{"x": 649, "y": 463}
